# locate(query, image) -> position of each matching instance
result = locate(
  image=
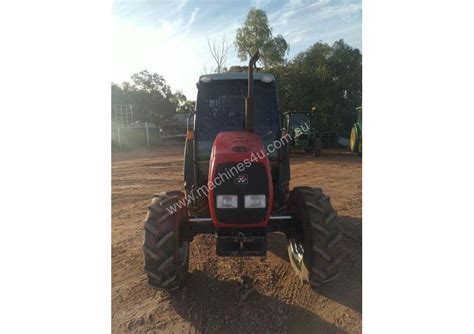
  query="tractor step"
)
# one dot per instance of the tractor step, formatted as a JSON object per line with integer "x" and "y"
{"x": 241, "y": 242}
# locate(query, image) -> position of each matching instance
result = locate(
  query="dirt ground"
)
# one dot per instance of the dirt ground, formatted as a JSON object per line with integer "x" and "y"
{"x": 233, "y": 295}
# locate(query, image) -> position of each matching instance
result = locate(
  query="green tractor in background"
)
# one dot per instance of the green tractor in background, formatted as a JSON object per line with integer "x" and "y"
{"x": 356, "y": 134}
{"x": 301, "y": 125}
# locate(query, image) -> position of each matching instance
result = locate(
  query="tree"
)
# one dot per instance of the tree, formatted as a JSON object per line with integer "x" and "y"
{"x": 326, "y": 77}
{"x": 152, "y": 98}
{"x": 219, "y": 53}
{"x": 152, "y": 83}
{"x": 256, "y": 34}
{"x": 183, "y": 105}
{"x": 187, "y": 107}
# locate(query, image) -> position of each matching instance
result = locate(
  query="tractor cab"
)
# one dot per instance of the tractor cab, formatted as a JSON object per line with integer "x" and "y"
{"x": 220, "y": 108}
{"x": 297, "y": 120}
{"x": 302, "y": 126}
{"x": 359, "y": 116}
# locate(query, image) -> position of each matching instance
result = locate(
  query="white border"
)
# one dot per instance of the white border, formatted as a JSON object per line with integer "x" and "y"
{"x": 55, "y": 170}
{"x": 417, "y": 168}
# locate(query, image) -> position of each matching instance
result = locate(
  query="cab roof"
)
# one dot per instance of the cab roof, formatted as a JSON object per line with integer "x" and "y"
{"x": 236, "y": 76}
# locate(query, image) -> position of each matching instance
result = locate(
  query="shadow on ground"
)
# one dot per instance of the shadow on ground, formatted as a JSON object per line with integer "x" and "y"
{"x": 217, "y": 306}
{"x": 347, "y": 288}
{"x": 335, "y": 154}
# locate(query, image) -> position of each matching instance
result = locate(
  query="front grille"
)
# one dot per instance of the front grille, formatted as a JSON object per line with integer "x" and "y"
{"x": 257, "y": 184}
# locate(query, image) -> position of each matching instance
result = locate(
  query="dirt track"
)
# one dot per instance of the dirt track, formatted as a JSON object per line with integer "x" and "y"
{"x": 233, "y": 295}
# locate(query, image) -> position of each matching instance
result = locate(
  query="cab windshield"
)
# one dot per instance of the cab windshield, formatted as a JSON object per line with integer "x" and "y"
{"x": 221, "y": 107}
{"x": 298, "y": 120}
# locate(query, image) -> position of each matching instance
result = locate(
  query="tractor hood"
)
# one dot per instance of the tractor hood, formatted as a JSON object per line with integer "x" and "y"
{"x": 239, "y": 166}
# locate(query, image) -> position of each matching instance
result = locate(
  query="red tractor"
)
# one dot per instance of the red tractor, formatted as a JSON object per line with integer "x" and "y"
{"x": 236, "y": 180}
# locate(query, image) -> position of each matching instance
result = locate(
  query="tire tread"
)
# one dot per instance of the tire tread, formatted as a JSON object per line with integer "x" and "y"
{"x": 162, "y": 264}
{"x": 318, "y": 221}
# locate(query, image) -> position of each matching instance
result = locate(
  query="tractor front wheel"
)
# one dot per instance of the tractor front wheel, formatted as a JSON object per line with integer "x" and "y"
{"x": 166, "y": 254}
{"x": 314, "y": 250}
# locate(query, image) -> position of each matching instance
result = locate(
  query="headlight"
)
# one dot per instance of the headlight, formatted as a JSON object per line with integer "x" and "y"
{"x": 227, "y": 201}
{"x": 254, "y": 201}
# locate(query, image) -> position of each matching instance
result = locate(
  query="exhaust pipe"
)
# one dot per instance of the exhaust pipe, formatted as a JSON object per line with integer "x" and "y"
{"x": 249, "y": 114}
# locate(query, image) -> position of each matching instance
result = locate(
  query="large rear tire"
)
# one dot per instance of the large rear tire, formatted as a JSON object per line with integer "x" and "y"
{"x": 354, "y": 141}
{"x": 314, "y": 251}
{"x": 166, "y": 255}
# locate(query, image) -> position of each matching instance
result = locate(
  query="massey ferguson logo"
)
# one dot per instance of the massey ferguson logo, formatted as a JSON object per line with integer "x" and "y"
{"x": 241, "y": 179}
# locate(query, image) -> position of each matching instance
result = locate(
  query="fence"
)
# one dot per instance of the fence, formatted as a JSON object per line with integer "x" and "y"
{"x": 135, "y": 137}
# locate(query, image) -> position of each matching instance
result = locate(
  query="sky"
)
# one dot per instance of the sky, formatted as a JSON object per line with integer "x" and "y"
{"x": 170, "y": 37}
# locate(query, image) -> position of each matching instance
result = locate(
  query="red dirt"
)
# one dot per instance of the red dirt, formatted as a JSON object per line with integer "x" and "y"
{"x": 233, "y": 295}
